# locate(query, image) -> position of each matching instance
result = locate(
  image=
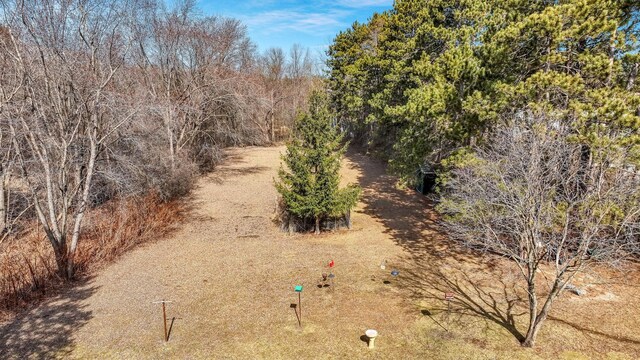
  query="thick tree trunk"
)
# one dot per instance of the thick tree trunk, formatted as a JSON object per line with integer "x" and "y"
{"x": 317, "y": 225}
{"x": 530, "y": 339}
{"x": 290, "y": 225}
{"x": 62, "y": 263}
{"x": 348, "y": 217}
{"x": 534, "y": 328}
{"x": 537, "y": 319}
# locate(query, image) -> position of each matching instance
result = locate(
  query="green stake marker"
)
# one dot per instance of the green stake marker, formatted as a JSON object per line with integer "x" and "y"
{"x": 298, "y": 289}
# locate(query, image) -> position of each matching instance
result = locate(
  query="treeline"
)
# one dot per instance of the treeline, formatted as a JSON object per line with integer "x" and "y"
{"x": 427, "y": 79}
{"x": 118, "y": 100}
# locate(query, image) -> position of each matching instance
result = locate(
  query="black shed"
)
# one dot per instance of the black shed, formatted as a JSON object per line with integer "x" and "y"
{"x": 425, "y": 179}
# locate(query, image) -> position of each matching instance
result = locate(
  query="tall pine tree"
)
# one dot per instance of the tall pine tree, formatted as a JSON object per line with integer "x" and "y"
{"x": 310, "y": 184}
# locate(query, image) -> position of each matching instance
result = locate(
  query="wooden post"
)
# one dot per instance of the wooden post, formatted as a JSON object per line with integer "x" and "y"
{"x": 164, "y": 317}
{"x": 331, "y": 274}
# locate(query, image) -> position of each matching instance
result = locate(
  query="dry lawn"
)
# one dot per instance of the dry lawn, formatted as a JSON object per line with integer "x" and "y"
{"x": 230, "y": 273}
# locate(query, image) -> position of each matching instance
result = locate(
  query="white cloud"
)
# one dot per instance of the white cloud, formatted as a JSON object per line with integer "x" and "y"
{"x": 292, "y": 20}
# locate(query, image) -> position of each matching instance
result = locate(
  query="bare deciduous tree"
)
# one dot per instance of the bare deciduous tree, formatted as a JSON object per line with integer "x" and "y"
{"x": 103, "y": 99}
{"x": 287, "y": 83}
{"x": 193, "y": 69}
{"x": 300, "y": 63}
{"x": 539, "y": 198}
{"x": 68, "y": 55}
{"x": 10, "y": 86}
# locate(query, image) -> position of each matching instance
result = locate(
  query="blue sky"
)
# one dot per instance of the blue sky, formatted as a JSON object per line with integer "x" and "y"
{"x": 312, "y": 23}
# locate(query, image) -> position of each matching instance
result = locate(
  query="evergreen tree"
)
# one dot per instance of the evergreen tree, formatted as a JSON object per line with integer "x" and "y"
{"x": 444, "y": 73}
{"x": 355, "y": 75}
{"x": 310, "y": 187}
{"x": 575, "y": 60}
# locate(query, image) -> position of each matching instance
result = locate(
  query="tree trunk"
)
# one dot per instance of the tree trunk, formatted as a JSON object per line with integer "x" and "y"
{"x": 3, "y": 204}
{"x": 62, "y": 262}
{"x": 273, "y": 125}
{"x": 172, "y": 150}
{"x": 632, "y": 76}
{"x": 530, "y": 339}
{"x": 534, "y": 328}
{"x": 348, "y": 217}
{"x": 612, "y": 55}
{"x": 537, "y": 319}
{"x": 533, "y": 314}
{"x": 84, "y": 200}
{"x": 317, "y": 225}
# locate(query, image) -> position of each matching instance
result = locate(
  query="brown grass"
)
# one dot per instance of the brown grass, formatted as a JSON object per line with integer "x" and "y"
{"x": 27, "y": 265}
{"x": 27, "y": 273}
{"x": 230, "y": 274}
{"x": 120, "y": 226}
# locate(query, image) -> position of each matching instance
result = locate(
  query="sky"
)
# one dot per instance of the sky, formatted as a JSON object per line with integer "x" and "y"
{"x": 311, "y": 23}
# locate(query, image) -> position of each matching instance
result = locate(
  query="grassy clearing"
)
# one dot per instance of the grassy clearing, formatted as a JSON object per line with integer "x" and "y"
{"x": 231, "y": 273}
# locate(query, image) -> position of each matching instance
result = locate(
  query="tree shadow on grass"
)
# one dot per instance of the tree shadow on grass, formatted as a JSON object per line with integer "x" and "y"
{"x": 46, "y": 331}
{"x": 233, "y": 164}
{"x": 622, "y": 339}
{"x": 499, "y": 302}
{"x": 435, "y": 265}
{"x": 221, "y": 174}
{"x": 408, "y": 217}
{"x": 485, "y": 286}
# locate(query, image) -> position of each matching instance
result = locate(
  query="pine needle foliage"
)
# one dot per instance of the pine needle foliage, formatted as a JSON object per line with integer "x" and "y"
{"x": 309, "y": 178}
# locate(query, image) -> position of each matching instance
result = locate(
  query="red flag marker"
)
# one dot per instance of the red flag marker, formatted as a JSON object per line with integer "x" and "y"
{"x": 331, "y": 263}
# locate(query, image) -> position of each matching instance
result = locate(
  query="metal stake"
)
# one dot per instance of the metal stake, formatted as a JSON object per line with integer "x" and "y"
{"x": 300, "y": 308}
{"x": 298, "y": 289}
{"x": 449, "y": 296}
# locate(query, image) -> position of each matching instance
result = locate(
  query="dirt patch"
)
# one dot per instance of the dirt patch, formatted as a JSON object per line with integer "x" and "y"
{"x": 230, "y": 273}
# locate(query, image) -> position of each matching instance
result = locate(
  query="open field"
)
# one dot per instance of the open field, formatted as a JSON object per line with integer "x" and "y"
{"x": 230, "y": 274}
